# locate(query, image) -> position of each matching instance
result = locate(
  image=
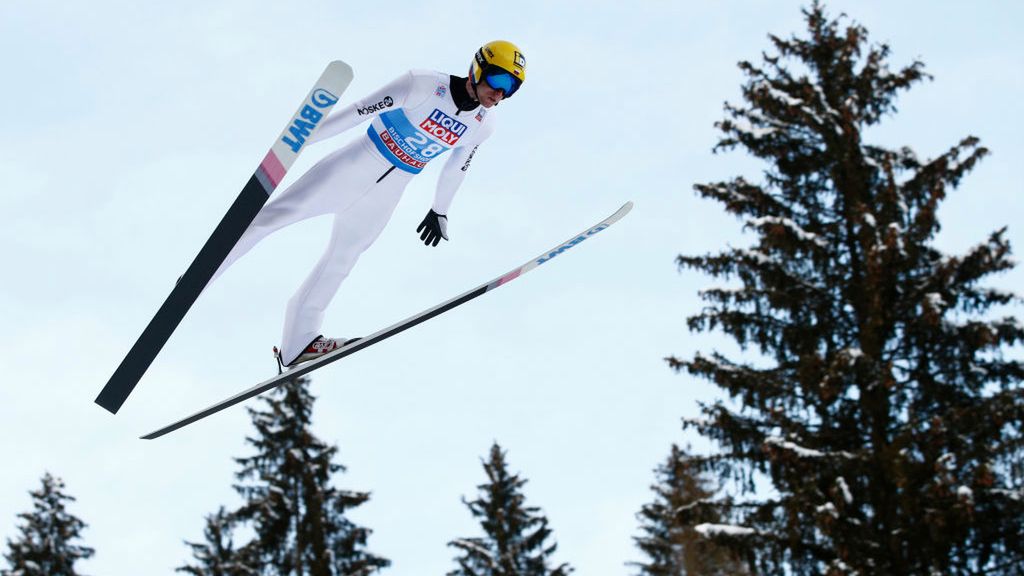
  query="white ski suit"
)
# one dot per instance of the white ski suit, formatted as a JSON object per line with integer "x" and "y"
{"x": 414, "y": 120}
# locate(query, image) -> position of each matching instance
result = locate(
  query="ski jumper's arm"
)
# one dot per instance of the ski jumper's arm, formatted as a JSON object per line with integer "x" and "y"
{"x": 454, "y": 171}
{"x": 392, "y": 95}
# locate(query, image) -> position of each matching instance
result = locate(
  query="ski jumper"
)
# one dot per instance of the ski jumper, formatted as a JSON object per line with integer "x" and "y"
{"x": 415, "y": 118}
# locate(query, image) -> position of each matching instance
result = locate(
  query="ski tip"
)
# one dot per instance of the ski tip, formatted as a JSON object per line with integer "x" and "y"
{"x": 621, "y": 212}
{"x": 340, "y": 67}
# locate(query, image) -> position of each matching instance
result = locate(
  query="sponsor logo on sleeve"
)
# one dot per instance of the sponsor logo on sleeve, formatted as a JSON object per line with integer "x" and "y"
{"x": 308, "y": 118}
{"x": 443, "y": 127}
{"x": 384, "y": 104}
{"x": 441, "y": 91}
{"x": 469, "y": 158}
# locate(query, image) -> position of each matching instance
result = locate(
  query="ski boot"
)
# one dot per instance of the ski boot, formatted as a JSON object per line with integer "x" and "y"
{"x": 317, "y": 348}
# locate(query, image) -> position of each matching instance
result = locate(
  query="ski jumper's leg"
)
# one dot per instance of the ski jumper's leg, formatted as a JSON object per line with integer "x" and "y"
{"x": 313, "y": 194}
{"x": 356, "y": 227}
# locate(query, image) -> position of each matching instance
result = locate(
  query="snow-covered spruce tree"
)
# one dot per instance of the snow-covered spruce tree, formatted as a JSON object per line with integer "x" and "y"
{"x": 515, "y": 541}
{"x": 673, "y": 548}
{"x": 217, "y": 556}
{"x": 298, "y": 517}
{"x": 882, "y": 408}
{"x": 46, "y": 542}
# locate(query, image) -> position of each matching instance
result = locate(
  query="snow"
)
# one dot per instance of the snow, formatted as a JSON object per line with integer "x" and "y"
{"x": 802, "y": 451}
{"x": 778, "y": 94}
{"x": 841, "y": 567}
{"x": 807, "y": 110}
{"x": 691, "y": 505}
{"x": 793, "y": 226}
{"x": 719, "y": 365}
{"x": 757, "y": 255}
{"x": 965, "y": 493}
{"x": 824, "y": 101}
{"x": 711, "y": 530}
{"x": 935, "y": 300}
{"x": 722, "y": 290}
{"x": 470, "y": 545}
{"x": 1015, "y": 495}
{"x": 897, "y": 231}
{"x": 869, "y": 218}
{"x": 947, "y": 461}
{"x": 745, "y": 127}
{"x": 795, "y": 448}
{"x": 698, "y": 421}
{"x": 845, "y": 489}
{"x": 829, "y": 509}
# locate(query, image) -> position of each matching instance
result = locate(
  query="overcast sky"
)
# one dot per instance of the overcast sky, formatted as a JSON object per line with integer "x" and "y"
{"x": 131, "y": 126}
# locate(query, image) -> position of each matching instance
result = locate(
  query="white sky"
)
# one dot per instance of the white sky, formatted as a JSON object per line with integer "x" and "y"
{"x": 131, "y": 126}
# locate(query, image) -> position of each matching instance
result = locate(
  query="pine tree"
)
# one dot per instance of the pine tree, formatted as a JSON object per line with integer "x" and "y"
{"x": 671, "y": 545}
{"x": 218, "y": 556}
{"x": 297, "y": 516}
{"x": 515, "y": 541}
{"x": 46, "y": 545}
{"x": 881, "y": 407}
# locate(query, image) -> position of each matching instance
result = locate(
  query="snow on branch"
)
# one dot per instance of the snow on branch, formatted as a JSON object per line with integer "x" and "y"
{"x": 804, "y": 452}
{"x": 694, "y": 504}
{"x": 774, "y": 92}
{"x": 744, "y": 127}
{"x": 711, "y": 530}
{"x": 1015, "y": 495}
{"x": 844, "y": 489}
{"x": 475, "y": 547}
{"x": 792, "y": 226}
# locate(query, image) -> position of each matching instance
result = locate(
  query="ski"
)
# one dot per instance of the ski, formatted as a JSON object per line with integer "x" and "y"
{"x": 254, "y": 195}
{"x": 390, "y": 331}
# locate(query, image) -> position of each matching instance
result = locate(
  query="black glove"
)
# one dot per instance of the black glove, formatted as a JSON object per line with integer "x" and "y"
{"x": 433, "y": 228}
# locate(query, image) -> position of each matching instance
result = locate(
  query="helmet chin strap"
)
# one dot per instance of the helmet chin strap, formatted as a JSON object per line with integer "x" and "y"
{"x": 477, "y": 96}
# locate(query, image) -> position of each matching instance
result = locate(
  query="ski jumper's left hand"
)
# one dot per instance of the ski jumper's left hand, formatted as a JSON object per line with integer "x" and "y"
{"x": 433, "y": 227}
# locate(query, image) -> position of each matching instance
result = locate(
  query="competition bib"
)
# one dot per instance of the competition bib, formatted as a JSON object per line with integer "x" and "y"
{"x": 408, "y": 146}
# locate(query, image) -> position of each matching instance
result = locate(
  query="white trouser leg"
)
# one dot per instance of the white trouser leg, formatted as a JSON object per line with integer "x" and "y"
{"x": 338, "y": 179}
{"x": 356, "y": 227}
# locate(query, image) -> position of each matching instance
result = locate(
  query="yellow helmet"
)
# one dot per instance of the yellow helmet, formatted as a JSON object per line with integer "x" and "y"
{"x": 501, "y": 64}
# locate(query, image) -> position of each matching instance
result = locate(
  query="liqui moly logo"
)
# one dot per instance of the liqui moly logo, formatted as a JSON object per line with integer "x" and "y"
{"x": 443, "y": 127}
{"x": 308, "y": 118}
{"x": 572, "y": 243}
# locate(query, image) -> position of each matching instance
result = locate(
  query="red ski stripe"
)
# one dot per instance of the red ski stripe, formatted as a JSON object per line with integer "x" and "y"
{"x": 273, "y": 168}
{"x": 508, "y": 277}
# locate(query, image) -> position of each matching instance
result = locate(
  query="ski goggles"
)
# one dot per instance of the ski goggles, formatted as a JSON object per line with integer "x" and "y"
{"x": 503, "y": 81}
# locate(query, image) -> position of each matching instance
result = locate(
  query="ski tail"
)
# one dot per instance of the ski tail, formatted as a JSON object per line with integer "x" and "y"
{"x": 353, "y": 347}
{"x": 268, "y": 175}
